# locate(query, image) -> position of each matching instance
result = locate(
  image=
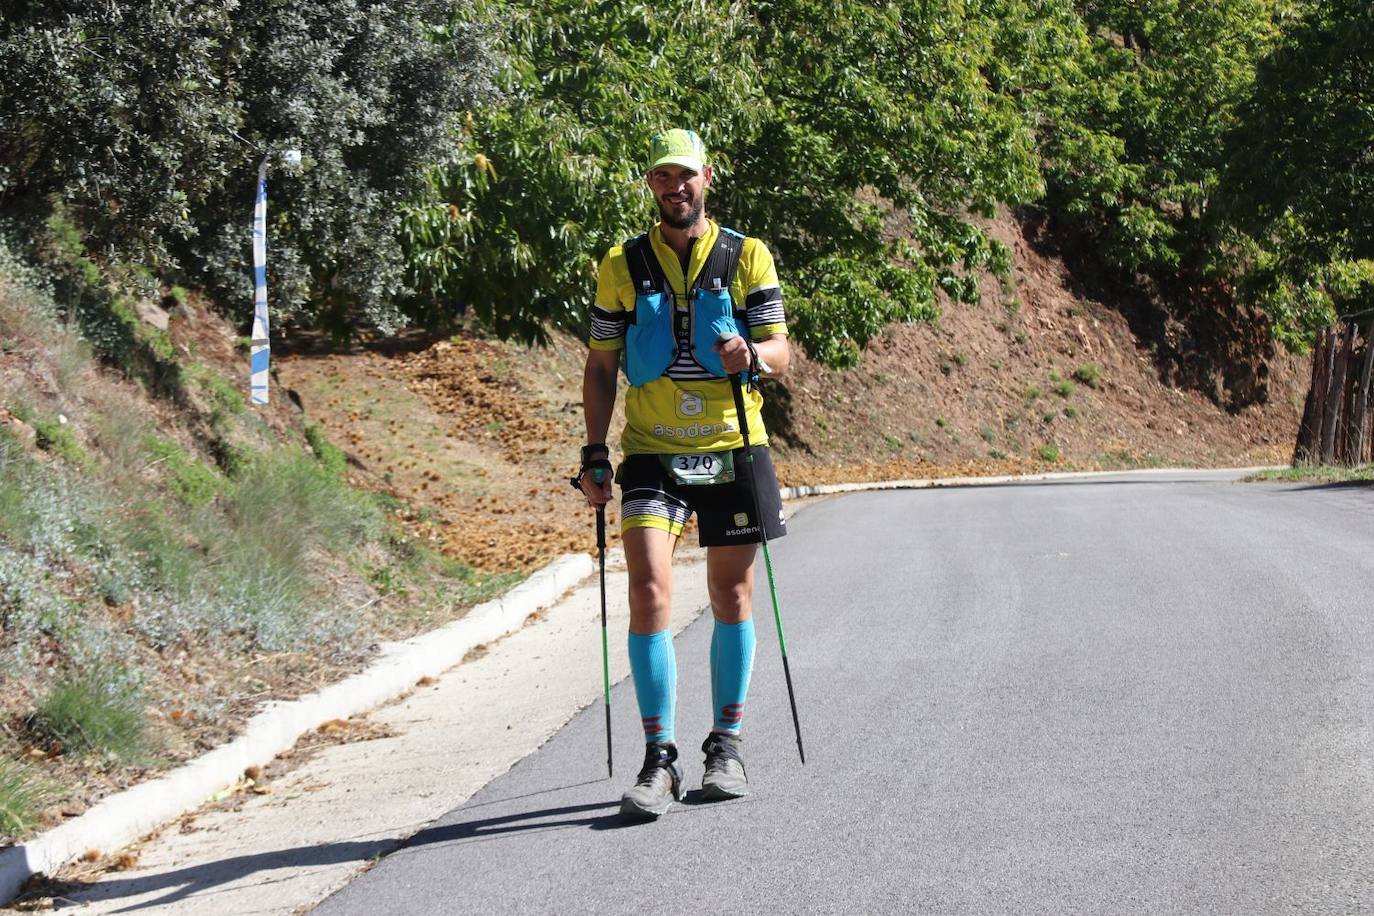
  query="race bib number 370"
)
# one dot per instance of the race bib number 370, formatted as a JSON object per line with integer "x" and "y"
{"x": 700, "y": 468}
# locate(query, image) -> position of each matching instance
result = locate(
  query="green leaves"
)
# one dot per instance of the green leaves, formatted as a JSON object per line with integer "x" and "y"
{"x": 1300, "y": 178}
{"x": 149, "y": 119}
{"x": 830, "y": 128}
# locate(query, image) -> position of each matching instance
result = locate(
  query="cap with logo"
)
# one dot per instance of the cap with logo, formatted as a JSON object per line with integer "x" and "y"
{"x": 677, "y": 147}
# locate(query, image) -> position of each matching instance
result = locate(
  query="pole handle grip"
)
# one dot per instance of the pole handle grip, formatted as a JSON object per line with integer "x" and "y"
{"x": 737, "y": 389}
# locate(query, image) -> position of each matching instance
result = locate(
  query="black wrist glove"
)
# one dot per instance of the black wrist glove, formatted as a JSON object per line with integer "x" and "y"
{"x": 601, "y": 463}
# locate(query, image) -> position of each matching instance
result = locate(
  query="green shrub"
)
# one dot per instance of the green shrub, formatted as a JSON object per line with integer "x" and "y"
{"x": 1048, "y": 453}
{"x": 1063, "y": 388}
{"x": 1089, "y": 374}
{"x": 22, "y": 794}
{"x": 1032, "y": 392}
{"x": 988, "y": 433}
{"x": 1070, "y": 412}
{"x": 997, "y": 454}
{"x": 99, "y": 710}
{"x": 105, "y": 315}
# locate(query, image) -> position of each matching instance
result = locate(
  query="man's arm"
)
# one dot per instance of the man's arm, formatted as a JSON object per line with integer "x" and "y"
{"x": 598, "y": 400}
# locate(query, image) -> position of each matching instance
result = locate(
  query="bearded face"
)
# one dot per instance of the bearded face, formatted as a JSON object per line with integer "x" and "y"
{"x": 680, "y": 193}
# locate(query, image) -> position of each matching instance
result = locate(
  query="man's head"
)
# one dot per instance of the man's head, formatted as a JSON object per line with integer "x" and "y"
{"x": 678, "y": 176}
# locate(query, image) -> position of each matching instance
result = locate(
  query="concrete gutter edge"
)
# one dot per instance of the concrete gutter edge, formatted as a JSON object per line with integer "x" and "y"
{"x": 924, "y": 482}
{"x": 125, "y": 816}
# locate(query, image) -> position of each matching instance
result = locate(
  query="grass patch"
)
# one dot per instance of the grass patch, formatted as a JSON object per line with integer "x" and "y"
{"x": 1070, "y": 412}
{"x": 1316, "y": 474}
{"x": 892, "y": 442}
{"x": 193, "y": 481}
{"x": 1032, "y": 392}
{"x": 22, "y": 795}
{"x": 217, "y": 390}
{"x": 988, "y": 433}
{"x": 1089, "y": 374}
{"x": 329, "y": 455}
{"x": 997, "y": 454}
{"x": 1048, "y": 453}
{"x": 53, "y": 435}
{"x": 96, "y": 711}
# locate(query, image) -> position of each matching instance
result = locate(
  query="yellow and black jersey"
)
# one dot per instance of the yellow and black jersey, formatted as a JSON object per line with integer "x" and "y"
{"x": 687, "y": 409}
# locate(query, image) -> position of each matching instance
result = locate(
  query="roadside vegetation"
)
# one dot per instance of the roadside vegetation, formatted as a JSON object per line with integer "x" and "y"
{"x": 162, "y": 568}
{"x": 1316, "y": 473}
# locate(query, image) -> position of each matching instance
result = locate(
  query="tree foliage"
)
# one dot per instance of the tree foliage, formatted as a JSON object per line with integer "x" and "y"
{"x": 1300, "y": 181}
{"x": 1135, "y": 145}
{"x": 858, "y": 140}
{"x": 148, "y": 120}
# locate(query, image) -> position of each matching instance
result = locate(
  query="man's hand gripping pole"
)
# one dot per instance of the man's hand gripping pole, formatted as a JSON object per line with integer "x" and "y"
{"x": 737, "y": 384}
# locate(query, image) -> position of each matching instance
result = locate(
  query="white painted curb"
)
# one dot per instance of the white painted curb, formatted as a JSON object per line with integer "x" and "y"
{"x": 124, "y": 817}
{"x": 925, "y": 482}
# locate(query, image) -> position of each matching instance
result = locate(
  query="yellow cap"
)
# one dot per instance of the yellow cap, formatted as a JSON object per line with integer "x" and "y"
{"x": 677, "y": 147}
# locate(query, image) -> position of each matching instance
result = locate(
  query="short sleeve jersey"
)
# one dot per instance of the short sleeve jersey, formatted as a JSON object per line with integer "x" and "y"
{"x": 687, "y": 409}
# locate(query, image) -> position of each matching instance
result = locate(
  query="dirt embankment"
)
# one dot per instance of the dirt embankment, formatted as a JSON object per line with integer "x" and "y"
{"x": 482, "y": 435}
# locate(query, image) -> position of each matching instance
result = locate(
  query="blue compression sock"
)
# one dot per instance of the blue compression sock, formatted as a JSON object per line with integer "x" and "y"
{"x": 732, "y": 659}
{"x": 654, "y": 667}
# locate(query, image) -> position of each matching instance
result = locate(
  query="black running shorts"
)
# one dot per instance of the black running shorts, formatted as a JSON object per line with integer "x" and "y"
{"x": 650, "y": 497}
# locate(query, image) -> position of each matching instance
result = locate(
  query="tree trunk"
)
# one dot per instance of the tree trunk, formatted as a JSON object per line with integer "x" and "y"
{"x": 1309, "y": 431}
{"x": 1335, "y": 397}
{"x": 1345, "y": 455}
{"x": 1361, "y": 428}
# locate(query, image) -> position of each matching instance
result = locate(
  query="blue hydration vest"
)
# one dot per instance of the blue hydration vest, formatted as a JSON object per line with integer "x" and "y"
{"x": 657, "y": 332}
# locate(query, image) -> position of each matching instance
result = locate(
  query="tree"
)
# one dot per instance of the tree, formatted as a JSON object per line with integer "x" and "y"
{"x": 1299, "y": 184}
{"x": 858, "y": 140}
{"x": 1136, "y": 146}
{"x": 147, "y": 121}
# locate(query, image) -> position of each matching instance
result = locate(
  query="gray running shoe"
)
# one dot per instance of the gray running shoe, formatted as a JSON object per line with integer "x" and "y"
{"x": 658, "y": 785}
{"x": 725, "y": 777}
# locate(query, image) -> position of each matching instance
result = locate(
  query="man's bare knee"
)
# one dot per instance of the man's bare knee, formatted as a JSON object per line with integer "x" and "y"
{"x": 649, "y": 595}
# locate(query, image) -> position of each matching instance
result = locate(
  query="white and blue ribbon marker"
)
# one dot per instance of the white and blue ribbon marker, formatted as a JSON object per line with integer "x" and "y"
{"x": 261, "y": 343}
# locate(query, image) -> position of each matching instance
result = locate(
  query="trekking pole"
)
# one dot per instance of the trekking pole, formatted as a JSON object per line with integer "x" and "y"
{"x": 599, "y": 475}
{"x": 605, "y": 650}
{"x": 737, "y": 388}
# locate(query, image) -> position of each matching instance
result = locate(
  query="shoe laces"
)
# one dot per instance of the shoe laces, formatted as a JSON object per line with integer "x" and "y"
{"x": 658, "y": 758}
{"x": 718, "y": 749}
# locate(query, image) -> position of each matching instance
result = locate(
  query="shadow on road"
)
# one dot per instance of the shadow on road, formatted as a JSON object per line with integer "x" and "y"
{"x": 201, "y": 880}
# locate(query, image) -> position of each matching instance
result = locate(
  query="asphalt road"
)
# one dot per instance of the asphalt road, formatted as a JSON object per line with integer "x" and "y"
{"x": 1092, "y": 697}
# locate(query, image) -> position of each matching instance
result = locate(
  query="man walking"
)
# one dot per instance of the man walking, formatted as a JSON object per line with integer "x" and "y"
{"x": 687, "y": 304}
